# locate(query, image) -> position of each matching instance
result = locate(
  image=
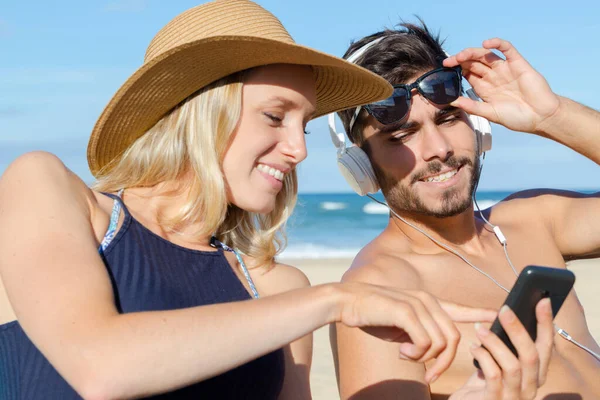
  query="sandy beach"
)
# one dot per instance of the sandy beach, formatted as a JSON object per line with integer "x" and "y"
{"x": 323, "y": 381}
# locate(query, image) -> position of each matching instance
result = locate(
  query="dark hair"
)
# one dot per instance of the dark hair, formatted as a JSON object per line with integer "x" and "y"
{"x": 402, "y": 53}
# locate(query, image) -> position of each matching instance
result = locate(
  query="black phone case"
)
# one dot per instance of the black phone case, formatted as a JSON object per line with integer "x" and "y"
{"x": 533, "y": 284}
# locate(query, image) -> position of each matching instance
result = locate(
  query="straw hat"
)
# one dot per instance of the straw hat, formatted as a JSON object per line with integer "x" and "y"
{"x": 207, "y": 43}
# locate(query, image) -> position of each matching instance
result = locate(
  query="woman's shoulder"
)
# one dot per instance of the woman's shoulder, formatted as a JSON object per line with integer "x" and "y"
{"x": 41, "y": 175}
{"x": 279, "y": 278}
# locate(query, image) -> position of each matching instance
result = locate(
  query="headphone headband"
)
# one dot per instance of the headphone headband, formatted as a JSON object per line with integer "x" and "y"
{"x": 354, "y": 56}
{"x": 339, "y": 139}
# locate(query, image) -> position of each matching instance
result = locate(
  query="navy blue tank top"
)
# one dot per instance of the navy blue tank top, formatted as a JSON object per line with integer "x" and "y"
{"x": 148, "y": 273}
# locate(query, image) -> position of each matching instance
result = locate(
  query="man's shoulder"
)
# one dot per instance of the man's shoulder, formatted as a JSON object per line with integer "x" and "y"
{"x": 379, "y": 265}
{"x": 527, "y": 205}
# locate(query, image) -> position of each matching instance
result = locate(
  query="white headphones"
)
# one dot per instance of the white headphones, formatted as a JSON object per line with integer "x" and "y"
{"x": 353, "y": 162}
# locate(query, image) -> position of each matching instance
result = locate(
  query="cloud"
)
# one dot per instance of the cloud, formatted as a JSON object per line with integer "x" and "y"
{"x": 126, "y": 6}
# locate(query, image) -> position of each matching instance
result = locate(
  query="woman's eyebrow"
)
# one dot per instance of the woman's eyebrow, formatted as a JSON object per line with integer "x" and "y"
{"x": 290, "y": 104}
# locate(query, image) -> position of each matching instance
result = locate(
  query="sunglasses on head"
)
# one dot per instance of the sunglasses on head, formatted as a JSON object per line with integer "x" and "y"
{"x": 439, "y": 86}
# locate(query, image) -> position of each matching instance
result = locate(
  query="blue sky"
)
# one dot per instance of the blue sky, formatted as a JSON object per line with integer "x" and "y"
{"x": 61, "y": 61}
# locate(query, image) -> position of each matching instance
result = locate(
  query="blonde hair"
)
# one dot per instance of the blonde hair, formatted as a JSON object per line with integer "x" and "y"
{"x": 193, "y": 138}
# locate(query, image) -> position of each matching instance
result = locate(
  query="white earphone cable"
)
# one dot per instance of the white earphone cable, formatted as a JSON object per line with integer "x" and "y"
{"x": 442, "y": 245}
{"x": 503, "y": 242}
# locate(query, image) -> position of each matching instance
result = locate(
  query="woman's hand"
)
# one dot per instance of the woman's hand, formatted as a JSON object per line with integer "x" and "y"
{"x": 502, "y": 375}
{"x": 424, "y": 325}
{"x": 514, "y": 94}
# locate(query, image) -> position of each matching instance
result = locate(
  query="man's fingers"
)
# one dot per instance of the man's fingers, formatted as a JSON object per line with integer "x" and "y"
{"x": 482, "y": 55}
{"x": 483, "y": 110}
{"x": 545, "y": 336}
{"x": 450, "y": 62}
{"x": 508, "y": 363}
{"x": 478, "y": 68}
{"x": 528, "y": 355}
{"x": 460, "y": 313}
{"x": 490, "y": 371}
{"x": 505, "y": 47}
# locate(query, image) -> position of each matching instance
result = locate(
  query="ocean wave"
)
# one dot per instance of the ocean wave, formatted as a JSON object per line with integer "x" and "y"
{"x": 332, "y": 205}
{"x": 312, "y": 251}
{"x": 483, "y": 204}
{"x": 375, "y": 208}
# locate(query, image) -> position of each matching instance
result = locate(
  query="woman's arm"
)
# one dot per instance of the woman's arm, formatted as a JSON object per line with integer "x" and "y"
{"x": 63, "y": 299}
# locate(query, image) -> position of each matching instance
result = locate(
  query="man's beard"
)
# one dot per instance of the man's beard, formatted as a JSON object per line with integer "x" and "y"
{"x": 454, "y": 200}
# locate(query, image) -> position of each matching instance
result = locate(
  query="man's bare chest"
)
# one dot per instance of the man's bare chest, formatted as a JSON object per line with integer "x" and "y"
{"x": 483, "y": 279}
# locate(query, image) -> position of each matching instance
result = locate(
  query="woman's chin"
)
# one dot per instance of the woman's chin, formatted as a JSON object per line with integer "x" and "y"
{"x": 259, "y": 207}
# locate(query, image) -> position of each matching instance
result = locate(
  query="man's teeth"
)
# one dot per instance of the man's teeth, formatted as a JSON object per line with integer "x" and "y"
{"x": 442, "y": 177}
{"x": 271, "y": 171}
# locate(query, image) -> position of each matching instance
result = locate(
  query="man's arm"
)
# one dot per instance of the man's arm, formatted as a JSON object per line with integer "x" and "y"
{"x": 278, "y": 279}
{"x": 576, "y": 126}
{"x": 371, "y": 368}
{"x": 516, "y": 96}
{"x": 572, "y": 219}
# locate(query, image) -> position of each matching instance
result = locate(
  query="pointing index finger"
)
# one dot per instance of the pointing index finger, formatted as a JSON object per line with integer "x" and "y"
{"x": 460, "y": 313}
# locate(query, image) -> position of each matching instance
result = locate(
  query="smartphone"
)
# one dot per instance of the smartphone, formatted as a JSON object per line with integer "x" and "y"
{"x": 533, "y": 284}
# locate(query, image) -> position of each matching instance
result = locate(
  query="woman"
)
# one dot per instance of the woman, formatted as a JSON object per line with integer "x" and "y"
{"x": 132, "y": 288}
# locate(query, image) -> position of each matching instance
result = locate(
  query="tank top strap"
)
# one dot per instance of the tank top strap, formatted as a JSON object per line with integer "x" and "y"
{"x": 216, "y": 243}
{"x": 114, "y": 220}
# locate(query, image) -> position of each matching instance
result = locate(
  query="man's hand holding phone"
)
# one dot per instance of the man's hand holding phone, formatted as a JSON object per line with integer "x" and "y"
{"x": 504, "y": 375}
{"x": 515, "y": 352}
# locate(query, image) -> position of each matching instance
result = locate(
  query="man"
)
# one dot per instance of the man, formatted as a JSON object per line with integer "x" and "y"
{"x": 425, "y": 156}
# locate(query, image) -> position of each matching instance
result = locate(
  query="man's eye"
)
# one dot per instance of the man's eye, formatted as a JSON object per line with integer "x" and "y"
{"x": 399, "y": 139}
{"x": 451, "y": 119}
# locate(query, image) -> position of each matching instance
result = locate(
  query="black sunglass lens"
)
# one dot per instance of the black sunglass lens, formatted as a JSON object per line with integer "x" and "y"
{"x": 392, "y": 109}
{"x": 441, "y": 87}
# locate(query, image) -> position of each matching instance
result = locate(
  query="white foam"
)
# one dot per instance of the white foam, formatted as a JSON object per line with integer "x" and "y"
{"x": 333, "y": 205}
{"x": 375, "y": 208}
{"x": 313, "y": 251}
{"x": 484, "y": 204}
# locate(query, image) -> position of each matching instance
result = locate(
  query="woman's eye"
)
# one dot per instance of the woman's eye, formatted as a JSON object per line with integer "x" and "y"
{"x": 306, "y": 132}
{"x": 273, "y": 117}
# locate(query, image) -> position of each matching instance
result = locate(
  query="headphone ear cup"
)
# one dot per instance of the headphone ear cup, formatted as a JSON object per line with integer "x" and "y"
{"x": 483, "y": 130}
{"x": 355, "y": 166}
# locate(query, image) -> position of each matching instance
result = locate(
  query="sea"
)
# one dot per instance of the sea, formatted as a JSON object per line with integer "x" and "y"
{"x": 338, "y": 225}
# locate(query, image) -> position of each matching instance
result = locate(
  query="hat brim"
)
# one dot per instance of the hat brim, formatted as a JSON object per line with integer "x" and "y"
{"x": 166, "y": 80}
